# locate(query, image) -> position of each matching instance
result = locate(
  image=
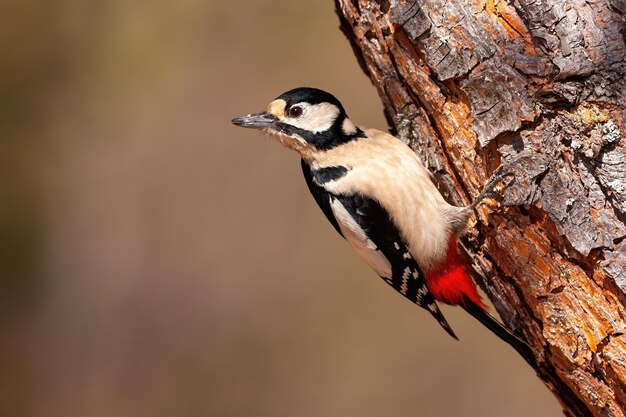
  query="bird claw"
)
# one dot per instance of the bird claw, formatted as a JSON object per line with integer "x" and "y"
{"x": 493, "y": 195}
{"x": 402, "y": 107}
{"x": 490, "y": 189}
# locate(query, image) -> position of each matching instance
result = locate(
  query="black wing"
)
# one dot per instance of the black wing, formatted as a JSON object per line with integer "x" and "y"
{"x": 321, "y": 196}
{"x": 375, "y": 222}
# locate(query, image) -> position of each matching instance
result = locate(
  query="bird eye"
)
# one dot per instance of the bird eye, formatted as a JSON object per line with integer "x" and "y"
{"x": 295, "y": 111}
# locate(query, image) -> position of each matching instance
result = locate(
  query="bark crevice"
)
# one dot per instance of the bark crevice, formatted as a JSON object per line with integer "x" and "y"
{"x": 540, "y": 88}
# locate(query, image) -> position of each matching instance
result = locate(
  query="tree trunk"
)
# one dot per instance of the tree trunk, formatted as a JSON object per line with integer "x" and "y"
{"x": 537, "y": 86}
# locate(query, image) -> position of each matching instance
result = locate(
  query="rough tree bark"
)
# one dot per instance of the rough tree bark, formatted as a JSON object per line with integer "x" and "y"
{"x": 537, "y": 86}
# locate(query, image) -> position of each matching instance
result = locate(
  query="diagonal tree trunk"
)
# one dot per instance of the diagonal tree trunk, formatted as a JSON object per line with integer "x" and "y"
{"x": 537, "y": 86}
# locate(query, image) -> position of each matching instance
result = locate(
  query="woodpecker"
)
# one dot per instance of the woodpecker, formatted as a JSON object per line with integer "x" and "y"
{"x": 381, "y": 199}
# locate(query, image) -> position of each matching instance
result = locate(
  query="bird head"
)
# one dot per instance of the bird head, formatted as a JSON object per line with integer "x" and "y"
{"x": 304, "y": 119}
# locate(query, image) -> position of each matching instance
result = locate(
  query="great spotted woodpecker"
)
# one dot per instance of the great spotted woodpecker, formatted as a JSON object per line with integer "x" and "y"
{"x": 378, "y": 195}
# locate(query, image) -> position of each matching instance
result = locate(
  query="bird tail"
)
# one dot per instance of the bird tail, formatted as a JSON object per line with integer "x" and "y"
{"x": 433, "y": 309}
{"x": 501, "y": 331}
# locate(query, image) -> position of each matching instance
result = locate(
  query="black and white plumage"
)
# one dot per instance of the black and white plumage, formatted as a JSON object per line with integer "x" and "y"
{"x": 377, "y": 194}
{"x": 369, "y": 230}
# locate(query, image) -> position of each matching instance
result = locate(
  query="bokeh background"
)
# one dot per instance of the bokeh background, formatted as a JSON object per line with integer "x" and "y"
{"x": 157, "y": 261}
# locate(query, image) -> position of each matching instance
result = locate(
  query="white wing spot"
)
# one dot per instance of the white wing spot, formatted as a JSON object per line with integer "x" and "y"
{"x": 405, "y": 281}
{"x": 421, "y": 292}
{"x": 395, "y": 245}
{"x": 406, "y": 255}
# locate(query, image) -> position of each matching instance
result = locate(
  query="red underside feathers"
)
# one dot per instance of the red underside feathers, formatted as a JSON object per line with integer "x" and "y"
{"x": 451, "y": 284}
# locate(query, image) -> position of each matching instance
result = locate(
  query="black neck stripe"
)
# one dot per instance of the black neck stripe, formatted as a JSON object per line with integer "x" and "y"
{"x": 327, "y": 139}
{"x": 323, "y": 175}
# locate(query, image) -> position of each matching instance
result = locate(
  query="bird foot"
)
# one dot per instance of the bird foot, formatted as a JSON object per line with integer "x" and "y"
{"x": 492, "y": 189}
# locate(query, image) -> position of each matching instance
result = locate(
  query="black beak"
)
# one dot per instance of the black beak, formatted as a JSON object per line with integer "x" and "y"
{"x": 256, "y": 121}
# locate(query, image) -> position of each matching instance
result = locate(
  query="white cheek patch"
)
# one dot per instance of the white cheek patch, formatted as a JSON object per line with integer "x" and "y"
{"x": 348, "y": 127}
{"x": 315, "y": 118}
{"x": 357, "y": 238}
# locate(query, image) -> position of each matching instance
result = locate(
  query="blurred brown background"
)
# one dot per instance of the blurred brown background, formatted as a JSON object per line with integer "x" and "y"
{"x": 157, "y": 261}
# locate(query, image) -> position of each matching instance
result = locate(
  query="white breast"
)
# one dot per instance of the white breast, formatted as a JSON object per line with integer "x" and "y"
{"x": 384, "y": 168}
